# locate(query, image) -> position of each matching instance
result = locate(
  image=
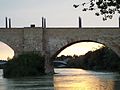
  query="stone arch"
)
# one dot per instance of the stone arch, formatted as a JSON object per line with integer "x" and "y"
{"x": 74, "y": 42}
{"x": 8, "y": 46}
{"x": 15, "y": 46}
{"x": 7, "y": 43}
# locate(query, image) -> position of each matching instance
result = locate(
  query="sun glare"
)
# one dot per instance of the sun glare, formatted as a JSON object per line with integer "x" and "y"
{"x": 80, "y": 48}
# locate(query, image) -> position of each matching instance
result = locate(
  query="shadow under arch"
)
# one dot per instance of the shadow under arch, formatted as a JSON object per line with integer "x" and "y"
{"x": 61, "y": 49}
{"x": 6, "y": 51}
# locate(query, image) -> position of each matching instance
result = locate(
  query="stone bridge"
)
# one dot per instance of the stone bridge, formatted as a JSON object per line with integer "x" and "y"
{"x": 51, "y": 41}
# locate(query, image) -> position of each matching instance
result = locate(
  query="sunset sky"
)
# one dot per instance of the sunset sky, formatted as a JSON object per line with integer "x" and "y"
{"x": 5, "y": 51}
{"x": 80, "y": 48}
{"x": 59, "y": 13}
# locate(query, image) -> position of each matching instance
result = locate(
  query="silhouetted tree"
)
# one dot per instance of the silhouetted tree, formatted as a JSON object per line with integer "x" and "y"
{"x": 107, "y": 8}
{"x": 26, "y": 64}
{"x": 101, "y": 59}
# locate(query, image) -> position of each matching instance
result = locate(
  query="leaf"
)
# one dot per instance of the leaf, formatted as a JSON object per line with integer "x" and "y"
{"x": 83, "y": 4}
{"x": 85, "y": 9}
{"x": 91, "y": 9}
{"x": 97, "y": 14}
{"x": 75, "y": 6}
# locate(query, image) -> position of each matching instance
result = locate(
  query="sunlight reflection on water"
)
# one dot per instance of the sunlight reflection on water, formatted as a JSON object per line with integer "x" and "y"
{"x": 66, "y": 79}
{"x": 78, "y": 79}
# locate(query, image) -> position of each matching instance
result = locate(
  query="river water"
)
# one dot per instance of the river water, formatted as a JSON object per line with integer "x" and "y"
{"x": 65, "y": 79}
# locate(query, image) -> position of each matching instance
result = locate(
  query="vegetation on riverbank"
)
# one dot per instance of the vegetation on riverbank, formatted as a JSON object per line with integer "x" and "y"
{"x": 103, "y": 59}
{"x": 27, "y": 64}
{"x": 2, "y": 63}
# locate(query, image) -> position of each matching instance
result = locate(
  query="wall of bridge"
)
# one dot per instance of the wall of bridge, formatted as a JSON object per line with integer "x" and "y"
{"x": 55, "y": 39}
{"x": 22, "y": 39}
{"x": 50, "y": 41}
{"x": 32, "y": 39}
{"x": 58, "y": 38}
{"x": 13, "y": 38}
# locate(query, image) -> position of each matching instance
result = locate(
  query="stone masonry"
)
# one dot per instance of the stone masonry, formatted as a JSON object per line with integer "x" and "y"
{"x": 56, "y": 39}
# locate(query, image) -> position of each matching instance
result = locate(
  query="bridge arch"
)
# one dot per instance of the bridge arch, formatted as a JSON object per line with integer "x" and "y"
{"x": 80, "y": 41}
{"x": 7, "y": 52}
{"x": 13, "y": 37}
{"x": 10, "y": 44}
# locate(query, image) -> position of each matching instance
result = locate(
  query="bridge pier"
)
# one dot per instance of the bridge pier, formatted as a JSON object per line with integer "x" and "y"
{"x": 17, "y": 53}
{"x": 49, "y": 69}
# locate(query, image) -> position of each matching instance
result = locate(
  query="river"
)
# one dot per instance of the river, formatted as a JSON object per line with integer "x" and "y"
{"x": 65, "y": 79}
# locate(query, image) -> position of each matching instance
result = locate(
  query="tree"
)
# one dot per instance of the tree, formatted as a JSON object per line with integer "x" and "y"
{"x": 26, "y": 64}
{"x": 107, "y": 8}
{"x": 8, "y": 58}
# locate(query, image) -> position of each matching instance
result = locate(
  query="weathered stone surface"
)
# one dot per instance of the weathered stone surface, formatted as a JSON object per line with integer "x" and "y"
{"x": 56, "y": 39}
{"x": 61, "y": 37}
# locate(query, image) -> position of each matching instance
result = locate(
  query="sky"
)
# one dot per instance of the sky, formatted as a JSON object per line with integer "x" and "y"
{"x": 80, "y": 48}
{"x": 5, "y": 51}
{"x": 59, "y": 13}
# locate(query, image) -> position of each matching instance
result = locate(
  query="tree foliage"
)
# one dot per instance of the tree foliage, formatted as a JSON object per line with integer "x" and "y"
{"x": 107, "y": 8}
{"x": 26, "y": 64}
{"x": 102, "y": 59}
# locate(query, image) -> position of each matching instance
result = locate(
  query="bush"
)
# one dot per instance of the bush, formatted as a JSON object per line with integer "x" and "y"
{"x": 27, "y": 64}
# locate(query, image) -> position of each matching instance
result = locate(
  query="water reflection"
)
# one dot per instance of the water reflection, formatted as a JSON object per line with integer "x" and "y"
{"x": 66, "y": 79}
{"x": 27, "y": 83}
{"x": 31, "y": 83}
{"x": 78, "y": 79}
